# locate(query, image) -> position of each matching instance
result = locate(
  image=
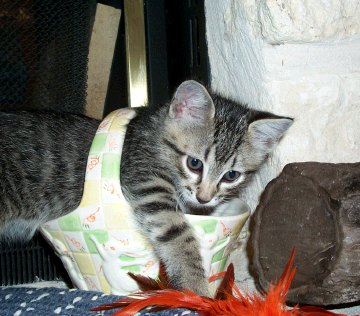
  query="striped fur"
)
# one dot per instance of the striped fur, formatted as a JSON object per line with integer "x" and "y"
{"x": 210, "y": 128}
{"x": 42, "y": 173}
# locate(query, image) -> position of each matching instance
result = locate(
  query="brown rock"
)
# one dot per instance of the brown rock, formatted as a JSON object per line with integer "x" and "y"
{"x": 315, "y": 207}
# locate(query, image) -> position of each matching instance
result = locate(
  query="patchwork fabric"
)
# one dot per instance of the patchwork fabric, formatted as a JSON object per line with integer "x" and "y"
{"x": 98, "y": 242}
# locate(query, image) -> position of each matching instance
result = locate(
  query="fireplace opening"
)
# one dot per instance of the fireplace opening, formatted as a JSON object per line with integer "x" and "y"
{"x": 43, "y": 65}
{"x": 43, "y": 53}
{"x": 44, "y": 49}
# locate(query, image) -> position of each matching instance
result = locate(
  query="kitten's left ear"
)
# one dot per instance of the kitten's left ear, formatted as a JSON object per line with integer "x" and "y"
{"x": 192, "y": 103}
{"x": 266, "y": 129}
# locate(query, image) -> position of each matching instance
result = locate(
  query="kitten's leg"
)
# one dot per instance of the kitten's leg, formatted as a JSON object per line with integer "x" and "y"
{"x": 175, "y": 245}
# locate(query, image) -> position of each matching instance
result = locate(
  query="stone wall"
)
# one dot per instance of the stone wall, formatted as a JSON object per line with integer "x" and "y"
{"x": 295, "y": 58}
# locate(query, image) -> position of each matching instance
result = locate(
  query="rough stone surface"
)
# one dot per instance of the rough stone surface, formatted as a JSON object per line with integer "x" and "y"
{"x": 315, "y": 207}
{"x": 313, "y": 78}
{"x": 315, "y": 83}
{"x": 285, "y": 21}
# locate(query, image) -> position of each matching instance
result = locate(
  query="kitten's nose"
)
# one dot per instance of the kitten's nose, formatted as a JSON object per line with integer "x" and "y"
{"x": 201, "y": 201}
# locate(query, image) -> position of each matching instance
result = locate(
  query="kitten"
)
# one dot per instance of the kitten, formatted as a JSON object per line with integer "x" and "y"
{"x": 190, "y": 156}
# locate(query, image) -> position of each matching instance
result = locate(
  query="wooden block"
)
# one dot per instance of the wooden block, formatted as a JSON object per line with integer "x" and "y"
{"x": 101, "y": 54}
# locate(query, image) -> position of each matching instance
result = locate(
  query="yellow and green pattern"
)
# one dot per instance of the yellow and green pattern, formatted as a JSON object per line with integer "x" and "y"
{"x": 99, "y": 242}
{"x": 104, "y": 214}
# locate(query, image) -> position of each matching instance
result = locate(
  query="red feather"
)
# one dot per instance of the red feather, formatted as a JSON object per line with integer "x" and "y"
{"x": 227, "y": 283}
{"x": 148, "y": 284}
{"x": 228, "y": 301}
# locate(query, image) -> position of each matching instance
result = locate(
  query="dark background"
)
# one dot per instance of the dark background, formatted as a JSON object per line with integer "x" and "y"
{"x": 43, "y": 65}
{"x": 176, "y": 50}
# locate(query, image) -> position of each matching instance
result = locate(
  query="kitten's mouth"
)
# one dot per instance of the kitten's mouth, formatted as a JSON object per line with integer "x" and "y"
{"x": 196, "y": 209}
{"x": 202, "y": 210}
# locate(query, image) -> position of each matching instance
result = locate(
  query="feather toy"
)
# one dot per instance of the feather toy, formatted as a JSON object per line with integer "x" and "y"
{"x": 228, "y": 300}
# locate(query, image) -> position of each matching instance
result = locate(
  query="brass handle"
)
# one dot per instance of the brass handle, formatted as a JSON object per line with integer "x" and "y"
{"x": 136, "y": 52}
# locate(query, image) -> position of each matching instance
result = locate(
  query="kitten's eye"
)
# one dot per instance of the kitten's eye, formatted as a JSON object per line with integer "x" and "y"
{"x": 194, "y": 164}
{"x": 231, "y": 176}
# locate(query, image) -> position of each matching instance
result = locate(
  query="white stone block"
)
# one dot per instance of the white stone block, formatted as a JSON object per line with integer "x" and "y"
{"x": 313, "y": 76}
{"x": 294, "y": 21}
{"x": 318, "y": 84}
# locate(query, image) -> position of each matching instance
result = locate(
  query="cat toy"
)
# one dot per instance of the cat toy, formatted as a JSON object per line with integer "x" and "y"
{"x": 228, "y": 301}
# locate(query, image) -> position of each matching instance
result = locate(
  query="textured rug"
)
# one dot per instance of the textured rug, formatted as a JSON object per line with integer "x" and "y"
{"x": 31, "y": 301}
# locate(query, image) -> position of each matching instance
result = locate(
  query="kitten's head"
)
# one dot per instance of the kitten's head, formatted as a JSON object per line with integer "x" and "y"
{"x": 216, "y": 145}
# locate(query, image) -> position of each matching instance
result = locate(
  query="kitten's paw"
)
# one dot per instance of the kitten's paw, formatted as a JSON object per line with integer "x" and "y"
{"x": 203, "y": 291}
{"x": 199, "y": 287}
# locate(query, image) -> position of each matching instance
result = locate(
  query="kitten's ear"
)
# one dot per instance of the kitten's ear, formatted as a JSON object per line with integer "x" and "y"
{"x": 192, "y": 103}
{"x": 266, "y": 129}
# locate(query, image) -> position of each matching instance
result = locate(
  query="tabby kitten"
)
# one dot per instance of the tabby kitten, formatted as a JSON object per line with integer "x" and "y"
{"x": 190, "y": 156}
